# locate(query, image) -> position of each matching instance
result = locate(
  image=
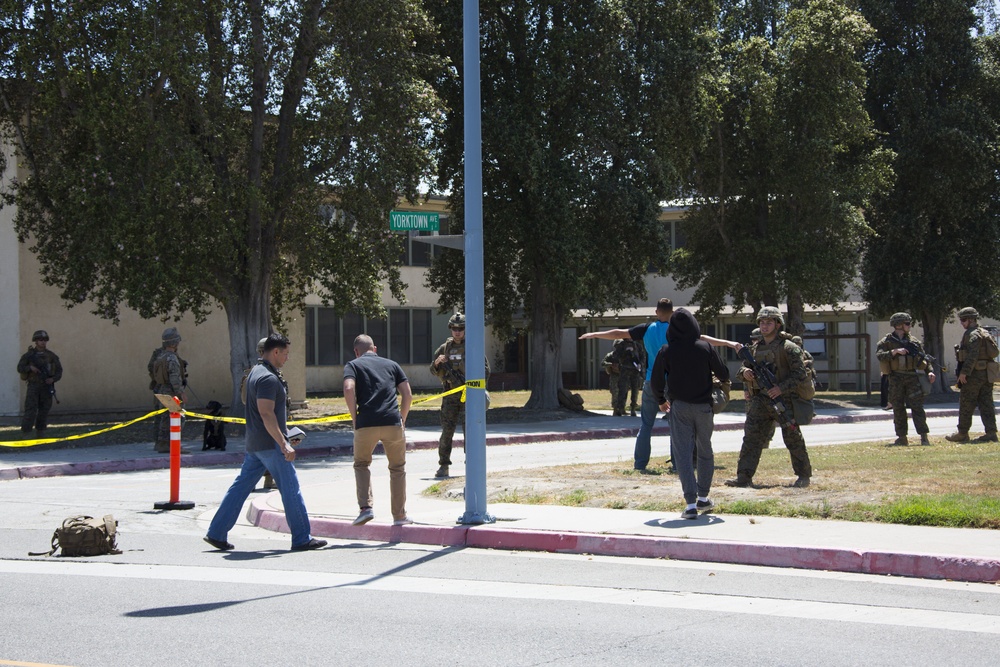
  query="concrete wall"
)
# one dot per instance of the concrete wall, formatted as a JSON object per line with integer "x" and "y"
{"x": 10, "y": 301}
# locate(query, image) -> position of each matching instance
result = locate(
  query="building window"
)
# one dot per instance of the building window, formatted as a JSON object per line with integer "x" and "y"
{"x": 405, "y": 337}
{"x": 416, "y": 253}
{"x": 738, "y": 332}
{"x": 815, "y": 346}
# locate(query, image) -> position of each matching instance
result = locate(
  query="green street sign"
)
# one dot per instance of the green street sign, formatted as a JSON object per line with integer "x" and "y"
{"x": 411, "y": 221}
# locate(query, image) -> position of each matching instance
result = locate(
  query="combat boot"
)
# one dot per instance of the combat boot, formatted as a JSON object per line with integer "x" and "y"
{"x": 990, "y": 436}
{"x": 901, "y": 441}
{"x": 741, "y": 481}
{"x": 924, "y": 440}
{"x": 617, "y": 413}
{"x": 161, "y": 447}
{"x": 442, "y": 472}
{"x": 958, "y": 436}
{"x": 801, "y": 482}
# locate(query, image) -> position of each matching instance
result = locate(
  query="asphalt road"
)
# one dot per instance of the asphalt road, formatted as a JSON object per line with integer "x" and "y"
{"x": 170, "y": 600}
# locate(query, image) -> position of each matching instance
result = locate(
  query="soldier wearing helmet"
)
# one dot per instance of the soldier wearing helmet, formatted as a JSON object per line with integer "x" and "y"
{"x": 785, "y": 357}
{"x": 40, "y": 367}
{"x": 448, "y": 365}
{"x": 976, "y": 351}
{"x": 901, "y": 358}
{"x": 167, "y": 375}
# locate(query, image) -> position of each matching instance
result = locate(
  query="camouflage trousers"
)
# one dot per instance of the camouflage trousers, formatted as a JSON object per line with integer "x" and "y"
{"x": 613, "y": 380}
{"x": 161, "y": 422}
{"x": 977, "y": 393}
{"x": 452, "y": 414}
{"x": 757, "y": 434}
{"x": 37, "y": 403}
{"x": 628, "y": 381}
{"x": 905, "y": 392}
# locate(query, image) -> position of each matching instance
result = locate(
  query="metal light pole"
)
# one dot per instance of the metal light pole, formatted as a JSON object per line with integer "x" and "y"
{"x": 475, "y": 396}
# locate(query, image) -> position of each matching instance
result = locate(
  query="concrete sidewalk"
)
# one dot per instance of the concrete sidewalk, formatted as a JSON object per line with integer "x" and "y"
{"x": 940, "y": 553}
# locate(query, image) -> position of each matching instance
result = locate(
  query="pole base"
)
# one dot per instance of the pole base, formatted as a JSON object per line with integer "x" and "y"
{"x": 476, "y": 519}
{"x": 179, "y": 505}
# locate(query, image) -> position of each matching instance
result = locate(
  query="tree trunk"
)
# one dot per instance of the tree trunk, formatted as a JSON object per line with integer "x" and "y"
{"x": 248, "y": 316}
{"x": 546, "y": 349}
{"x": 796, "y": 314}
{"x": 934, "y": 345}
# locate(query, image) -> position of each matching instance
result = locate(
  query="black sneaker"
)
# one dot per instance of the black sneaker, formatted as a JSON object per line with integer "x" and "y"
{"x": 310, "y": 545}
{"x": 705, "y": 505}
{"x": 690, "y": 513}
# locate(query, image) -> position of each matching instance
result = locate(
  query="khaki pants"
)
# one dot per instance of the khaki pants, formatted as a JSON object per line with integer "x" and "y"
{"x": 394, "y": 443}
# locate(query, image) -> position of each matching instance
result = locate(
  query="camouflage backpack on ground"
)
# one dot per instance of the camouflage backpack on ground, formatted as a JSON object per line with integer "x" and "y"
{"x": 84, "y": 536}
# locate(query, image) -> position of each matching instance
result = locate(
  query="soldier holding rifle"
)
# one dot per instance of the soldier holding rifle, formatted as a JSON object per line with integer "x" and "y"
{"x": 40, "y": 367}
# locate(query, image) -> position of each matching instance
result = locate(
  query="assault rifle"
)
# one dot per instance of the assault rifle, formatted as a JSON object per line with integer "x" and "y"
{"x": 766, "y": 380}
{"x": 455, "y": 377}
{"x": 38, "y": 360}
{"x": 917, "y": 353}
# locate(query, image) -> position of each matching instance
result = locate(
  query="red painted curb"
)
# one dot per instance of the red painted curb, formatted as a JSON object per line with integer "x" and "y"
{"x": 922, "y": 566}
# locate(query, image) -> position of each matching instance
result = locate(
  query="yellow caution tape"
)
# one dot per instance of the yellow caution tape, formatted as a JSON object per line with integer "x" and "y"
{"x": 345, "y": 416}
{"x": 476, "y": 384}
{"x": 46, "y": 441}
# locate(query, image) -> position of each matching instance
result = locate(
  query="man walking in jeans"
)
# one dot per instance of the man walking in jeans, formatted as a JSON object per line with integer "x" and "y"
{"x": 268, "y": 449}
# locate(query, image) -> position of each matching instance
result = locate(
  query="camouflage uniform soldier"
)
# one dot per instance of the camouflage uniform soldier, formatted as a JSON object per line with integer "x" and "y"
{"x": 449, "y": 367}
{"x": 167, "y": 375}
{"x": 614, "y": 376}
{"x": 976, "y": 349}
{"x": 41, "y": 368}
{"x": 630, "y": 374}
{"x": 776, "y": 349}
{"x": 896, "y": 352}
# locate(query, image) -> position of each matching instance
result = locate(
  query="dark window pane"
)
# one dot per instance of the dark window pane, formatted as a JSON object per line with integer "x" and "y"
{"x": 738, "y": 332}
{"x": 376, "y": 329}
{"x": 399, "y": 335}
{"x": 328, "y": 337}
{"x": 310, "y": 336}
{"x": 353, "y": 326}
{"x": 422, "y": 343}
{"x": 420, "y": 253}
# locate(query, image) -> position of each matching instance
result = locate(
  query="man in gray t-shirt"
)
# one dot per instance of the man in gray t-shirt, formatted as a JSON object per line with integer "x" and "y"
{"x": 267, "y": 449}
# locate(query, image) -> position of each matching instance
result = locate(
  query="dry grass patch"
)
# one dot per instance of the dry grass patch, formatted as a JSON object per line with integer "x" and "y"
{"x": 945, "y": 484}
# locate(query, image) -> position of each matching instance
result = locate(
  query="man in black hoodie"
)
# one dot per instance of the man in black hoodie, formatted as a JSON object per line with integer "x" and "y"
{"x": 682, "y": 385}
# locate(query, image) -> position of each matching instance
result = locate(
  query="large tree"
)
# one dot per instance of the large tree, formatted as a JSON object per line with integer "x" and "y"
{"x": 589, "y": 108}
{"x": 792, "y": 159}
{"x": 184, "y": 154}
{"x": 935, "y": 96}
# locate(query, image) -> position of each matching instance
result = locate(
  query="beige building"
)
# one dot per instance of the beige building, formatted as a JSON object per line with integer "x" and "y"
{"x": 105, "y": 365}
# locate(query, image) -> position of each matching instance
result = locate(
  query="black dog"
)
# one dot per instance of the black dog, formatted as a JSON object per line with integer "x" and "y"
{"x": 215, "y": 430}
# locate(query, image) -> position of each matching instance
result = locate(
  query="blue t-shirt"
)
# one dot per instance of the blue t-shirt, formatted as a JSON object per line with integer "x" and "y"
{"x": 375, "y": 382}
{"x": 263, "y": 382}
{"x": 653, "y": 336}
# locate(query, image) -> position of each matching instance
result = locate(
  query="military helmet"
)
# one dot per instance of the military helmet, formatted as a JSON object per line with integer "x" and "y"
{"x": 772, "y": 313}
{"x": 457, "y": 321}
{"x": 41, "y": 334}
{"x": 260, "y": 346}
{"x": 797, "y": 340}
{"x": 900, "y": 318}
{"x": 171, "y": 336}
{"x": 968, "y": 313}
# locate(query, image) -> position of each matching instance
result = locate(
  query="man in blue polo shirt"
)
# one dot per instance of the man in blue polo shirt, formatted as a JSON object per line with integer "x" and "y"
{"x": 653, "y": 336}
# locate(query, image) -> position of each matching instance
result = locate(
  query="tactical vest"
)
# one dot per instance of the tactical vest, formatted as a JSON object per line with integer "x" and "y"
{"x": 987, "y": 349}
{"x": 902, "y": 363}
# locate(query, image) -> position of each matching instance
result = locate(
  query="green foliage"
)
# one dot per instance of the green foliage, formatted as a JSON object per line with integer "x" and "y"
{"x": 589, "y": 113}
{"x": 790, "y": 162}
{"x": 956, "y": 510}
{"x": 177, "y": 154}
{"x": 575, "y": 497}
{"x": 934, "y": 93}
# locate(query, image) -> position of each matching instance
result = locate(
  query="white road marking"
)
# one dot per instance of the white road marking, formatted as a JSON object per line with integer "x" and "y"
{"x": 800, "y": 609}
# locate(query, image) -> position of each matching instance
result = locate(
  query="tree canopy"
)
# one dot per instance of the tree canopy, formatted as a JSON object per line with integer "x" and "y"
{"x": 589, "y": 111}
{"x": 935, "y": 97}
{"x": 187, "y": 154}
{"x": 790, "y": 162}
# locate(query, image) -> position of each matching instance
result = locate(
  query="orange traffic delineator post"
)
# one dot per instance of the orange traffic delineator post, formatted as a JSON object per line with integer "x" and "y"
{"x": 172, "y": 403}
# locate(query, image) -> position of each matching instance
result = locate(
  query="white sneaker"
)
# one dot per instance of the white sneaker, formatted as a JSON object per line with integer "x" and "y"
{"x": 405, "y": 521}
{"x": 363, "y": 518}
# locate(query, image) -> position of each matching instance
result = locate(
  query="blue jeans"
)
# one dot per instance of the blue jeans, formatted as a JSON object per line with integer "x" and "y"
{"x": 650, "y": 408}
{"x": 691, "y": 426}
{"x": 283, "y": 472}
